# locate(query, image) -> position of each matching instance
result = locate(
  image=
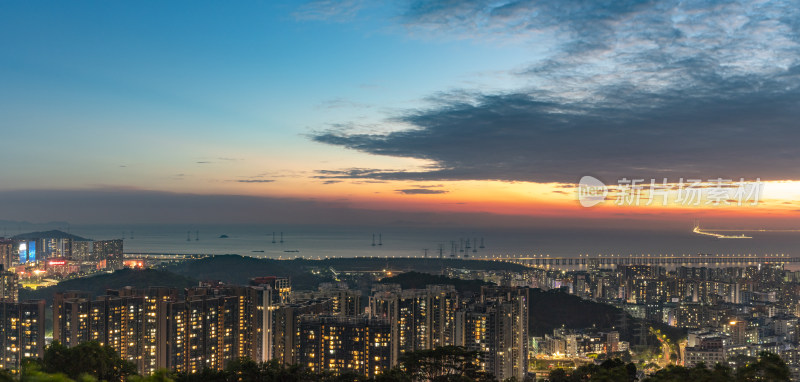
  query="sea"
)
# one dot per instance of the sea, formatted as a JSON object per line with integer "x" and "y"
{"x": 309, "y": 241}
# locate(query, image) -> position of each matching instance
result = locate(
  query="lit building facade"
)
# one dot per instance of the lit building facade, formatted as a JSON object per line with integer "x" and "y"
{"x": 344, "y": 344}
{"x": 507, "y": 325}
{"x": 9, "y": 286}
{"x": 8, "y": 253}
{"x": 21, "y": 332}
{"x": 159, "y": 328}
{"x": 110, "y": 251}
{"x": 285, "y": 327}
{"x": 420, "y": 318}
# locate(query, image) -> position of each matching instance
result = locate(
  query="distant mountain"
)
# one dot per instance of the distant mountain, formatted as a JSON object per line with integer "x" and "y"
{"x": 18, "y": 223}
{"x": 52, "y": 234}
{"x": 12, "y": 226}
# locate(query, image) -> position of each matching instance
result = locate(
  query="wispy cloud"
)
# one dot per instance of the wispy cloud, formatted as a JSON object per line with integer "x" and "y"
{"x": 329, "y": 10}
{"x": 342, "y": 103}
{"x": 255, "y": 180}
{"x": 421, "y": 191}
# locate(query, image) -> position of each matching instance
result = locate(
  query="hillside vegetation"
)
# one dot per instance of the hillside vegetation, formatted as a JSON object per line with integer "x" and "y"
{"x": 97, "y": 285}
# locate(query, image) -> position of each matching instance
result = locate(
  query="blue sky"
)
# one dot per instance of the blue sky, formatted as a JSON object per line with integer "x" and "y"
{"x": 166, "y": 79}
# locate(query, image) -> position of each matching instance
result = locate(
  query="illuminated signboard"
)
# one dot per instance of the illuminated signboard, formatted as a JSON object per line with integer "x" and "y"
{"x": 27, "y": 252}
{"x": 31, "y": 251}
{"x": 23, "y": 253}
{"x": 57, "y": 262}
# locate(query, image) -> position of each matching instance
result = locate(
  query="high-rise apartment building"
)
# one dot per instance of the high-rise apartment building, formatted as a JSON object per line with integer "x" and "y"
{"x": 161, "y": 328}
{"x": 8, "y": 253}
{"x": 496, "y": 326}
{"x": 285, "y": 327}
{"x": 9, "y": 286}
{"x": 508, "y": 315}
{"x": 116, "y": 319}
{"x": 340, "y": 344}
{"x": 21, "y": 332}
{"x": 420, "y": 318}
{"x": 110, "y": 251}
{"x": 346, "y": 302}
{"x": 81, "y": 250}
{"x": 281, "y": 287}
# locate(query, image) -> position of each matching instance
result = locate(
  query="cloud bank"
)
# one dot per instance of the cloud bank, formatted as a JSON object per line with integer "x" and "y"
{"x": 631, "y": 89}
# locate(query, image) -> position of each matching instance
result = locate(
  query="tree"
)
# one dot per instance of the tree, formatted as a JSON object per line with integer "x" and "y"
{"x": 559, "y": 375}
{"x": 447, "y": 363}
{"x": 609, "y": 370}
{"x": 769, "y": 367}
{"x": 90, "y": 358}
{"x": 720, "y": 373}
{"x": 162, "y": 375}
{"x": 6, "y": 376}
{"x": 394, "y": 374}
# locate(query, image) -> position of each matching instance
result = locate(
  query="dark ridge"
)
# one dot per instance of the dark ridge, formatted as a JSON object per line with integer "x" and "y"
{"x": 418, "y": 280}
{"x": 97, "y": 285}
{"x": 52, "y": 234}
{"x": 238, "y": 269}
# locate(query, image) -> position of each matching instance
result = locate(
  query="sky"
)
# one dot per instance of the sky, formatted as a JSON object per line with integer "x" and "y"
{"x": 424, "y": 112}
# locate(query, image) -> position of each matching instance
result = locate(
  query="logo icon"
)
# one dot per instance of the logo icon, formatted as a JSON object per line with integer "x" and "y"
{"x": 591, "y": 191}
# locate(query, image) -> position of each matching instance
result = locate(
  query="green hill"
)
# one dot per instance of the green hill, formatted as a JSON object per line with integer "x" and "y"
{"x": 239, "y": 269}
{"x": 97, "y": 285}
{"x": 426, "y": 265}
{"x": 553, "y": 309}
{"x": 417, "y": 280}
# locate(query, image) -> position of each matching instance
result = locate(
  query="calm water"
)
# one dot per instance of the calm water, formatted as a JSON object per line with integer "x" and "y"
{"x": 314, "y": 241}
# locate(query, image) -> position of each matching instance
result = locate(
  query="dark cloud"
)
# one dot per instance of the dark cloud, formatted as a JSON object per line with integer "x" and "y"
{"x": 132, "y": 206}
{"x": 421, "y": 191}
{"x": 255, "y": 180}
{"x": 428, "y": 185}
{"x": 751, "y": 133}
{"x": 634, "y": 89}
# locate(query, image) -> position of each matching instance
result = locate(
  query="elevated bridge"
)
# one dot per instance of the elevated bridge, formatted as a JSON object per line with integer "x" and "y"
{"x": 545, "y": 261}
